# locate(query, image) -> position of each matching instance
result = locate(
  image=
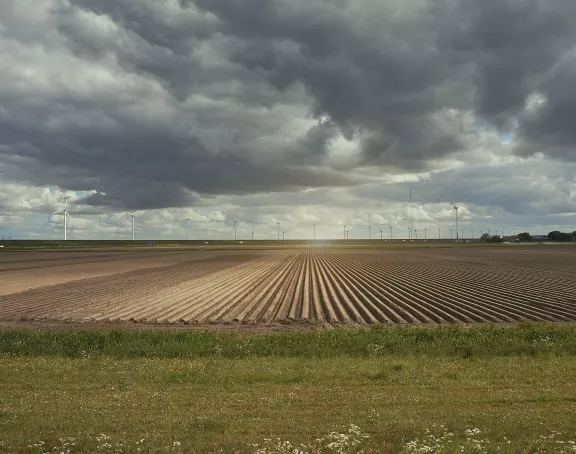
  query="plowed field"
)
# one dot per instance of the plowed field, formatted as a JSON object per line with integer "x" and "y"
{"x": 308, "y": 286}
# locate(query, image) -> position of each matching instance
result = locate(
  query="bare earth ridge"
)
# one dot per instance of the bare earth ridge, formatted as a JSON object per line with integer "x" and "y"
{"x": 288, "y": 287}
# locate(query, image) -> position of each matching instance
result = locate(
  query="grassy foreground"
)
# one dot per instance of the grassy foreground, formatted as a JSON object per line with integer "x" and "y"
{"x": 378, "y": 390}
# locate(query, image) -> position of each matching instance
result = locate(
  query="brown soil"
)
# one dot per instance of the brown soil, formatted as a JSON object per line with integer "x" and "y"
{"x": 287, "y": 289}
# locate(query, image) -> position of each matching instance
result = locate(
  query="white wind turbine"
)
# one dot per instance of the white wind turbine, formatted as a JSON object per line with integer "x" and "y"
{"x": 66, "y": 216}
{"x": 132, "y": 216}
{"x": 188, "y": 227}
{"x": 456, "y": 212}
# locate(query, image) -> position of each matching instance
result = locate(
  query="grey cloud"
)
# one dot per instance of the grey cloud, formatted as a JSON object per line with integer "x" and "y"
{"x": 531, "y": 188}
{"x": 391, "y": 76}
{"x": 163, "y": 104}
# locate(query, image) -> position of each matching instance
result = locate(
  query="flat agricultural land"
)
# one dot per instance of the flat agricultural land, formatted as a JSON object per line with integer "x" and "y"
{"x": 291, "y": 287}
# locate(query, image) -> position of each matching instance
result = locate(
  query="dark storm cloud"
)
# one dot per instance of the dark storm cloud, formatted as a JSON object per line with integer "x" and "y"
{"x": 158, "y": 104}
{"x": 394, "y": 68}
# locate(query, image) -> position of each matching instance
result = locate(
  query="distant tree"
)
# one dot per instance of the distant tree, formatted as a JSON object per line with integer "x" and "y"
{"x": 524, "y": 236}
{"x": 491, "y": 239}
{"x": 556, "y": 235}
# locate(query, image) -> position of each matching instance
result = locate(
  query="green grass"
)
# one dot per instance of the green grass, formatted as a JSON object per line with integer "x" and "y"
{"x": 220, "y": 392}
{"x": 220, "y": 403}
{"x": 477, "y": 340}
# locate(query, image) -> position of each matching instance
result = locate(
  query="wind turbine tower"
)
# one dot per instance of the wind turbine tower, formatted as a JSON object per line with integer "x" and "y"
{"x": 456, "y": 212}
{"x": 66, "y": 216}
{"x": 187, "y": 228}
{"x": 410, "y": 212}
{"x": 235, "y": 229}
{"x": 133, "y": 215}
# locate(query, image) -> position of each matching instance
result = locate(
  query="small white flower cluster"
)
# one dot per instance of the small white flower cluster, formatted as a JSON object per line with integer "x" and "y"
{"x": 334, "y": 442}
{"x": 441, "y": 440}
{"x": 551, "y": 443}
{"x": 435, "y": 440}
{"x": 277, "y": 446}
{"x": 341, "y": 442}
{"x": 543, "y": 341}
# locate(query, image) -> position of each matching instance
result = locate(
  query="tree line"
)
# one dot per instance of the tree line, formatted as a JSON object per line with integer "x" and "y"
{"x": 555, "y": 235}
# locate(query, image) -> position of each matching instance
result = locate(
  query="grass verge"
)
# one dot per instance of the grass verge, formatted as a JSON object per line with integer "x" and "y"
{"x": 477, "y": 340}
{"x": 377, "y": 390}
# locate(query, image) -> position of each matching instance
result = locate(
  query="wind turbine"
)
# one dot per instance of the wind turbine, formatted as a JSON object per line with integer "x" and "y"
{"x": 314, "y": 232}
{"x": 278, "y": 222}
{"x": 66, "y": 216}
{"x": 380, "y": 233}
{"x": 132, "y": 216}
{"x": 344, "y": 225}
{"x": 235, "y": 229}
{"x": 410, "y": 213}
{"x": 187, "y": 228}
{"x": 369, "y": 232}
{"x": 390, "y": 231}
{"x": 456, "y": 212}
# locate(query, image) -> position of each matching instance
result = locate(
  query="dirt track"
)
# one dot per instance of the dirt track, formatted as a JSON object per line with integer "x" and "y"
{"x": 310, "y": 286}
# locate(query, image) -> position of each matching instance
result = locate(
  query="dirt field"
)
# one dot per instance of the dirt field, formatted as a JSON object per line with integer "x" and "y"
{"x": 289, "y": 287}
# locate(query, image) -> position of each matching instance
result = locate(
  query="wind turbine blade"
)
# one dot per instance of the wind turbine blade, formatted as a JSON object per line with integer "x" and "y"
{"x": 136, "y": 212}
{"x": 67, "y": 214}
{"x": 56, "y": 212}
{"x": 65, "y": 202}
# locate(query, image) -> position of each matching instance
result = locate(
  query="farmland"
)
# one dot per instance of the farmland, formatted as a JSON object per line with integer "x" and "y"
{"x": 213, "y": 349}
{"x": 292, "y": 287}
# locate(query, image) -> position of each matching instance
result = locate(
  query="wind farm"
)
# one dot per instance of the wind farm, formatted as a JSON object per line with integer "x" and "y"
{"x": 260, "y": 275}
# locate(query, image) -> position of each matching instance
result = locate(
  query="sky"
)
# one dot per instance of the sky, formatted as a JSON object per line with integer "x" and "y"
{"x": 298, "y": 112}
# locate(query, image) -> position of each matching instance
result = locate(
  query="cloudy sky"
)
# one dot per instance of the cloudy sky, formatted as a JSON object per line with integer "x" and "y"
{"x": 301, "y": 112}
